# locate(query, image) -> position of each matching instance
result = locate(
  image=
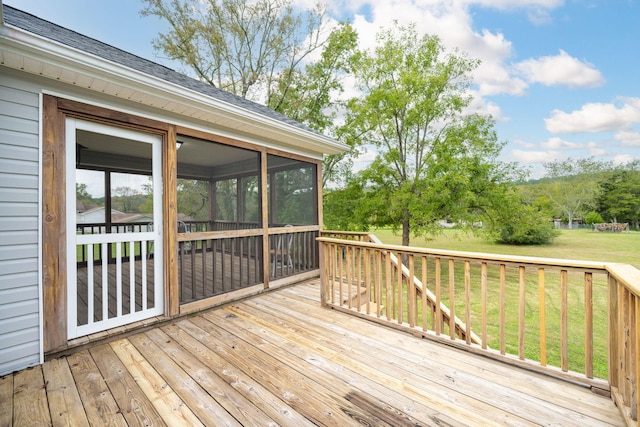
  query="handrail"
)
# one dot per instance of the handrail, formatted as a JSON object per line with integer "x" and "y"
{"x": 552, "y": 321}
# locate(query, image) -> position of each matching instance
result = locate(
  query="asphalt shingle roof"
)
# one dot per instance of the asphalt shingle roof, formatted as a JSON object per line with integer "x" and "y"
{"x": 46, "y": 29}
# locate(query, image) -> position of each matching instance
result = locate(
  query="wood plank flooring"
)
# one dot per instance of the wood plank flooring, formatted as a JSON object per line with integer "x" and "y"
{"x": 281, "y": 359}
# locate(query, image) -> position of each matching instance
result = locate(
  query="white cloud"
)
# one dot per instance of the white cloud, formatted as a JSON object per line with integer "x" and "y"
{"x": 480, "y": 105}
{"x": 561, "y": 69}
{"x": 366, "y": 156}
{"x": 452, "y": 22}
{"x": 556, "y": 143}
{"x": 540, "y": 17}
{"x": 629, "y": 139}
{"x": 525, "y": 144}
{"x": 535, "y": 156}
{"x": 595, "y": 150}
{"x": 596, "y": 117}
{"x": 512, "y": 4}
{"x": 622, "y": 159}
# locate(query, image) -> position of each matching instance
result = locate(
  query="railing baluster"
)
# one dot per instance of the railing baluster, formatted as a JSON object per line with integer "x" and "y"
{"x": 424, "y": 293}
{"x": 118, "y": 279}
{"x": 132, "y": 277}
{"x": 452, "y": 302}
{"x": 90, "y": 284}
{"x": 400, "y": 290}
{"x": 143, "y": 280}
{"x": 543, "y": 319}
{"x": 521, "y": 311}
{"x": 411, "y": 293}
{"x": 105, "y": 281}
{"x": 388, "y": 279}
{"x": 438, "y": 299}
{"x": 503, "y": 307}
{"x": 467, "y": 301}
{"x": 483, "y": 290}
{"x": 564, "y": 322}
{"x": 588, "y": 324}
{"x": 367, "y": 280}
{"x": 378, "y": 283}
{"x": 359, "y": 278}
{"x": 341, "y": 259}
{"x": 350, "y": 274}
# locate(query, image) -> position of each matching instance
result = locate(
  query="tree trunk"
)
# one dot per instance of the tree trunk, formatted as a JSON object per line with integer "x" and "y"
{"x": 405, "y": 233}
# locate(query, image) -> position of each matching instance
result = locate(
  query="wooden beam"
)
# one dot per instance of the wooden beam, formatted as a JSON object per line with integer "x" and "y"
{"x": 170, "y": 219}
{"x": 54, "y": 250}
{"x": 264, "y": 209}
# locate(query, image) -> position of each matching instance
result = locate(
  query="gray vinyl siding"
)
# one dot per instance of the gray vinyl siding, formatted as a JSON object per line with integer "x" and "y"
{"x": 19, "y": 167}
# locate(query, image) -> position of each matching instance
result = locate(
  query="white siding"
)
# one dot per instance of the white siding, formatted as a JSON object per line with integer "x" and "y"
{"x": 19, "y": 166}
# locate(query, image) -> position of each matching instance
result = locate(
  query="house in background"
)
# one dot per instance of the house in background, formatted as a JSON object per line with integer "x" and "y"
{"x": 73, "y": 111}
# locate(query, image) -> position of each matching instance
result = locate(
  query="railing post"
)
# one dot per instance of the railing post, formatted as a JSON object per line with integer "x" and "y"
{"x": 324, "y": 279}
{"x": 614, "y": 356}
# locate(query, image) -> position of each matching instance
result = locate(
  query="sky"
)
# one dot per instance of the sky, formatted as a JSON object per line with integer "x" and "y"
{"x": 560, "y": 77}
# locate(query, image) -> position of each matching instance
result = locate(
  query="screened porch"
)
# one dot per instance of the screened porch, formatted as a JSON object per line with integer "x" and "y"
{"x": 243, "y": 219}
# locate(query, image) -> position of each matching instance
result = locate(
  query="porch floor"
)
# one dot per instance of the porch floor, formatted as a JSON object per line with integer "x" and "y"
{"x": 281, "y": 359}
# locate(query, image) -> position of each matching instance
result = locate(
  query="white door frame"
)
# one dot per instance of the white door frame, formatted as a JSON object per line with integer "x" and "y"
{"x": 150, "y": 238}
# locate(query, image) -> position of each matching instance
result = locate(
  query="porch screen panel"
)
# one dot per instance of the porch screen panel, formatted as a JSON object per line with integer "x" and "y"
{"x": 292, "y": 192}
{"x": 293, "y": 201}
{"x": 219, "y": 198}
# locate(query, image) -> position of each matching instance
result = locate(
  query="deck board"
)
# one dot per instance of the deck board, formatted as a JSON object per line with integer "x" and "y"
{"x": 281, "y": 359}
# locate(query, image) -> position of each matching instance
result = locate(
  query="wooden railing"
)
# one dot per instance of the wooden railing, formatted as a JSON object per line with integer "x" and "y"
{"x": 216, "y": 262}
{"x": 433, "y": 305}
{"x": 544, "y": 314}
{"x": 624, "y": 338}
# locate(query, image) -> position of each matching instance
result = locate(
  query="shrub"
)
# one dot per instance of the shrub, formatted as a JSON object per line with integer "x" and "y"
{"x": 593, "y": 218}
{"x": 526, "y": 226}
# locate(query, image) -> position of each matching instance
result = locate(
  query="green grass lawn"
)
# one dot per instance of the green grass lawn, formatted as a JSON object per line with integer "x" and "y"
{"x": 571, "y": 244}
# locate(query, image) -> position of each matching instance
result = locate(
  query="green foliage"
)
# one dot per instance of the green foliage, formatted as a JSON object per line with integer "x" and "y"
{"x": 193, "y": 198}
{"x": 433, "y": 161}
{"x": 593, "y": 218}
{"x": 344, "y": 209}
{"x": 294, "y": 196}
{"x": 83, "y": 196}
{"x": 573, "y": 187}
{"x": 128, "y": 200}
{"x": 619, "y": 200}
{"x": 526, "y": 226}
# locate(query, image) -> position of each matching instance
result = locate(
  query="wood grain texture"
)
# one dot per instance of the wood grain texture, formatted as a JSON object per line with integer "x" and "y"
{"x": 30, "y": 404}
{"x": 280, "y": 358}
{"x": 54, "y": 276}
{"x": 65, "y": 405}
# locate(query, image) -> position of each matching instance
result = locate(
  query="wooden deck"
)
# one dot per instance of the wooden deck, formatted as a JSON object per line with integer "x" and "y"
{"x": 281, "y": 359}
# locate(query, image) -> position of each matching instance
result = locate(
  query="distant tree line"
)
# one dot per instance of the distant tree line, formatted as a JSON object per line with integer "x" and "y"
{"x": 593, "y": 190}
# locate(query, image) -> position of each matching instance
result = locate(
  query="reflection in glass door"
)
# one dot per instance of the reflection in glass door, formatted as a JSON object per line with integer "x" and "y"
{"x": 114, "y": 257}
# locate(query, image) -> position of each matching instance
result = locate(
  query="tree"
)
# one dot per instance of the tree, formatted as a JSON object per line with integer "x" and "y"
{"x": 574, "y": 185}
{"x": 264, "y": 50}
{"x": 193, "y": 198}
{"x": 619, "y": 200}
{"x": 433, "y": 161}
{"x": 127, "y": 199}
